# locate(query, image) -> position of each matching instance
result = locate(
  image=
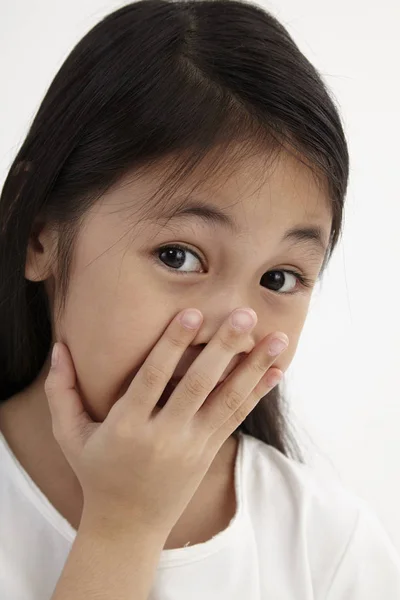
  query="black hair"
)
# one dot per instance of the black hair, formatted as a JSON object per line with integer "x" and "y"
{"x": 153, "y": 80}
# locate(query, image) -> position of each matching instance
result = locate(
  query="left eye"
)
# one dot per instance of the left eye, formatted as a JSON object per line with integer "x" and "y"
{"x": 275, "y": 280}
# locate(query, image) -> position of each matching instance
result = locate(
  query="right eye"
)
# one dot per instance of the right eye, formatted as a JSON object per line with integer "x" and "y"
{"x": 177, "y": 256}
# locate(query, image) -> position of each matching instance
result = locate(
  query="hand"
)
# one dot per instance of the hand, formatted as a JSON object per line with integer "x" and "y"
{"x": 142, "y": 464}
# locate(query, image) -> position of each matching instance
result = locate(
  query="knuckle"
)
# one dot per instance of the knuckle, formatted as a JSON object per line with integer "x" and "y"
{"x": 193, "y": 455}
{"x": 123, "y": 430}
{"x": 176, "y": 340}
{"x": 233, "y": 399}
{"x": 49, "y": 386}
{"x": 197, "y": 384}
{"x": 228, "y": 343}
{"x": 260, "y": 365}
{"x": 240, "y": 414}
{"x": 153, "y": 376}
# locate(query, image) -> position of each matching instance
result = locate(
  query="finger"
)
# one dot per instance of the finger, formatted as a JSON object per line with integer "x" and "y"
{"x": 204, "y": 373}
{"x": 234, "y": 391}
{"x": 69, "y": 418}
{"x": 149, "y": 382}
{"x": 264, "y": 386}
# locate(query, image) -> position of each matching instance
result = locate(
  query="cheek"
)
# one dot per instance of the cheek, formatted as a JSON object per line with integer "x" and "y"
{"x": 109, "y": 337}
{"x": 283, "y": 362}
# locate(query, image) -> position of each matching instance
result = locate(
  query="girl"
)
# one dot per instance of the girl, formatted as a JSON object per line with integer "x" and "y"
{"x": 177, "y": 197}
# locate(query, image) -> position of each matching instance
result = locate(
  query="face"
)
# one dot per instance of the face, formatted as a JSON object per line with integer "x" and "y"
{"x": 127, "y": 283}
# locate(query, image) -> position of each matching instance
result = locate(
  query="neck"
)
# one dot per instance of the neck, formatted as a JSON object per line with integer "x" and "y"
{"x": 25, "y": 422}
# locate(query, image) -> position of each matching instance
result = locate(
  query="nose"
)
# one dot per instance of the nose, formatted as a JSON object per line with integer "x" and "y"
{"x": 191, "y": 355}
{"x": 207, "y": 331}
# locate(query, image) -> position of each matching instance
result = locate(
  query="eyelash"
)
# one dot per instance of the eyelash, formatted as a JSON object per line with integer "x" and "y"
{"x": 304, "y": 281}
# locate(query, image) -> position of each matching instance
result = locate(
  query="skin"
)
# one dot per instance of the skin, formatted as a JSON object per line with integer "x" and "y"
{"x": 120, "y": 302}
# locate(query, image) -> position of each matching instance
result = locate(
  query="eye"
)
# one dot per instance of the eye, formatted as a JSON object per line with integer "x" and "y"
{"x": 176, "y": 255}
{"x": 275, "y": 280}
{"x": 283, "y": 278}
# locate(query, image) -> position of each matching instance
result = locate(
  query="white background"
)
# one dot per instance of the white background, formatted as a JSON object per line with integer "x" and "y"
{"x": 344, "y": 381}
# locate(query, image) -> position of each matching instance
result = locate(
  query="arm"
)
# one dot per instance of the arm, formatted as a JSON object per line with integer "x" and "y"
{"x": 110, "y": 563}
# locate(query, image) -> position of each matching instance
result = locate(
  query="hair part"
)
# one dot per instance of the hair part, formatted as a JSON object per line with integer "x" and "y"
{"x": 158, "y": 83}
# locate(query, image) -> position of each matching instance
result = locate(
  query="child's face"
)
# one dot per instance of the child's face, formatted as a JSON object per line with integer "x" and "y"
{"x": 120, "y": 301}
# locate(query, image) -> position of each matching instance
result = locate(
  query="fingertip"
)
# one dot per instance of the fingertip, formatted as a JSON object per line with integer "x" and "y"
{"x": 61, "y": 373}
{"x": 274, "y": 377}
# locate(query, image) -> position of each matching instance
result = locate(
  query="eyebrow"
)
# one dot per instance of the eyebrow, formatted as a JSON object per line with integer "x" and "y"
{"x": 211, "y": 215}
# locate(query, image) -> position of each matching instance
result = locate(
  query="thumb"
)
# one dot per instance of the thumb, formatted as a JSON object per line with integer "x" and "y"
{"x": 69, "y": 418}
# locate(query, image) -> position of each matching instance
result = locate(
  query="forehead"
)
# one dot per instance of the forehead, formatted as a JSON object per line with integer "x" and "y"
{"x": 258, "y": 195}
{"x": 254, "y": 190}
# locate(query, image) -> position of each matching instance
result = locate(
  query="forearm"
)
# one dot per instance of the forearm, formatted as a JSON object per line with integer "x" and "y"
{"x": 110, "y": 566}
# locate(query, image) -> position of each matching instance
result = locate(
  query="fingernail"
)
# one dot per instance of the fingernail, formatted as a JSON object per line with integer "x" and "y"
{"x": 55, "y": 355}
{"x": 191, "y": 318}
{"x": 243, "y": 319}
{"x": 277, "y": 345}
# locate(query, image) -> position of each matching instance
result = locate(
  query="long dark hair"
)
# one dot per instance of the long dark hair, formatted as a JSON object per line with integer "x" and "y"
{"x": 152, "y": 80}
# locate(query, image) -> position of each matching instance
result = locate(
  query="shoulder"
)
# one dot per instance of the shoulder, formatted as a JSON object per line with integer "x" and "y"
{"x": 332, "y": 532}
{"x": 280, "y": 479}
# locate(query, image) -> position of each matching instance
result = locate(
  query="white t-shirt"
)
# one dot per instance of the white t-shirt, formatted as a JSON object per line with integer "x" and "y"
{"x": 293, "y": 537}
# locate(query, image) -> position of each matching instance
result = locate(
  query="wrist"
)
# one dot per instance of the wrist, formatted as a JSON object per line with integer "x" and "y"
{"x": 110, "y": 527}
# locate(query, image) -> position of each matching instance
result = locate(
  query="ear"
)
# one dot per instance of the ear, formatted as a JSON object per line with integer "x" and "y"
{"x": 40, "y": 252}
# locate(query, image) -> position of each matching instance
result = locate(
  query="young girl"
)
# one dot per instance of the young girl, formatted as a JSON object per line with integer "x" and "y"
{"x": 177, "y": 197}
